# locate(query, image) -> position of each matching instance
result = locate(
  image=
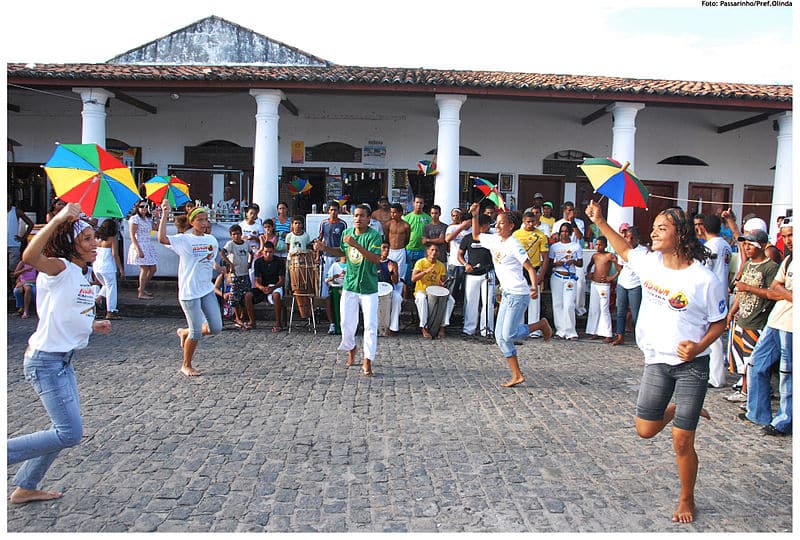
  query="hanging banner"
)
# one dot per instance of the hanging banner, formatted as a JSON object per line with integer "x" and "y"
{"x": 298, "y": 152}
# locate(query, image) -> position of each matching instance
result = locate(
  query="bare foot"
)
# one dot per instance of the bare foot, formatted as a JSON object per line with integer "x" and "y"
{"x": 441, "y": 333}
{"x": 684, "y": 513}
{"x": 513, "y": 382}
{"x": 189, "y": 371}
{"x": 22, "y": 495}
{"x": 183, "y": 333}
{"x": 351, "y": 356}
{"x": 426, "y": 334}
{"x": 366, "y": 368}
{"x": 547, "y": 331}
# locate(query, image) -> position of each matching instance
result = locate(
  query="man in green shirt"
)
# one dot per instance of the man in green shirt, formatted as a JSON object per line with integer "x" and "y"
{"x": 361, "y": 247}
{"x": 415, "y": 250}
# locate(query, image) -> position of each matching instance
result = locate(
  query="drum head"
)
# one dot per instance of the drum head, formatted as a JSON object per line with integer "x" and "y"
{"x": 435, "y": 290}
{"x": 384, "y": 288}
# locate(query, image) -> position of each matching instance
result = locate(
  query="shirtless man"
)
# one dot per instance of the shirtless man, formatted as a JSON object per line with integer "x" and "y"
{"x": 598, "y": 324}
{"x": 398, "y": 233}
{"x": 382, "y": 213}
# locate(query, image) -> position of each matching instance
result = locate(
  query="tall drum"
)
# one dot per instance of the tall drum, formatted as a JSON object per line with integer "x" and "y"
{"x": 302, "y": 274}
{"x": 384, "y": 306}
{"x": 437, "y": 307}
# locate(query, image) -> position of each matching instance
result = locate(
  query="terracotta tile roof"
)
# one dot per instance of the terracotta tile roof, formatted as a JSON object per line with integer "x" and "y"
{"x": 402, "y": 80}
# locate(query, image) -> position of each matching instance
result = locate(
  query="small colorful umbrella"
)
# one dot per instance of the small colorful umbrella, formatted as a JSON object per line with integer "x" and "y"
{"x": 175, "y": 189}
{"x": 88, "y": 175}
{"x": 299, "y": 185}
{"x": 428, "y": 168}
{"x": 490, "y": 192}
{"x": 343, "y": 200}
{"x": 611, "y": 178}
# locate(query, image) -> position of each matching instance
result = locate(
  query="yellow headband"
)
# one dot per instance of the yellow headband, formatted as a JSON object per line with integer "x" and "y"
{"x": 199, "y": 210}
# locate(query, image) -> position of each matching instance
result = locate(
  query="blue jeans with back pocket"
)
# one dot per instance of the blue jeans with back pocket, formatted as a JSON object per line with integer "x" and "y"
{"x": 53, "y": 377}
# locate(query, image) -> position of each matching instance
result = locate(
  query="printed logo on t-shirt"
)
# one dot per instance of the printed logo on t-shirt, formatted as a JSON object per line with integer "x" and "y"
{"x": 354, "y": 256}
{"x": 727, "y": 257}
{"x": 678, "y": 301}
{"x": 722, "y": 306}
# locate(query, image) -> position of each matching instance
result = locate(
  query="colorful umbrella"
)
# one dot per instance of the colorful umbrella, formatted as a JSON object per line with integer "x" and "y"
{"x": 88, "y": 175}
{"x": 299, "y": 185}
{"x": 611, "y": 178}
{"x": 490, "y": 192}
{"x": 428, "y": 168}
{"x": 343, "y": 200}
{"x": 175, "y": 189}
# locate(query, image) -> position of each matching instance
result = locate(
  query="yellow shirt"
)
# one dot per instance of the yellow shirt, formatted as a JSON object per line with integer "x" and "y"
{"x": 534, "y": 243}
{"x": 434, "y": 278}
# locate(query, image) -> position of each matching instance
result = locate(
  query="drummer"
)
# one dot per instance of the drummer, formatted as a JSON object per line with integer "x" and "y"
{"x": 389, "y": 273}
{"x": 296, "y": 242}
{"x": 429, "y": 271}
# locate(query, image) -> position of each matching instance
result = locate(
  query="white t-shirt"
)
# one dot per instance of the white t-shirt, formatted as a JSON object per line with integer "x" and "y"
{"x": 627, "y": 278}
{"x": 720, "y": 264}
{"x": 677, "y": 305}
{"x": 508, "y": 257}
{"x": 455, "y": 243}
{"x": 196, "y": 256}
{"x": 254, "y": 230}
{"x": 570, "y": 251}
{"x": 545, "y": 228}
{"x": 65, "y": 304}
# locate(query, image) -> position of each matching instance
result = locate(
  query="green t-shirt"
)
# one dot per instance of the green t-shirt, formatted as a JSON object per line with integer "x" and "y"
{"x": 417, "y": 223}
{"x": 754, "y": 310}
{"x": 361, "y": 275}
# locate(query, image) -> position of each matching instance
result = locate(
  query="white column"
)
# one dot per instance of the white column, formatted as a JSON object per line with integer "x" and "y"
{"x": 782, "y": 192}
{"x": 266, "y": 166}
{"x": 623, "y": 149}
{"x": 94, "y": 115}
{"x": 447, "y": 157}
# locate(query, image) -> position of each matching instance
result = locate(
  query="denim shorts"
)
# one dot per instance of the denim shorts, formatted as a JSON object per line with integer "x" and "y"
{"x": 688, "y": 381}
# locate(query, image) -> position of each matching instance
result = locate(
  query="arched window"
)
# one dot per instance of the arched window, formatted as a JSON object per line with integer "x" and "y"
{"x": 683, "y": 160}
{"x": 565, "y": 163}
{"x": 462, "y": 151}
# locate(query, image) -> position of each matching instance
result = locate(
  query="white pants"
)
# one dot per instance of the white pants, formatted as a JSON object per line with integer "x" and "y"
{"x": 478, "y": 300}
{"x": 109, "y": 289}
{"x": 563, "y": 290}
{"x": 327, "y": 261}
{"x": 399, "y": 256}
{"x": 348, "y": 313}
{"x": 394, "y": 314}
{"x": 421, "y": 300}
{"x": 535, "y": 309}
{"x": 580, "y": 291}
{"x": 716, "y": 363}
{"x": 599, "y": 321}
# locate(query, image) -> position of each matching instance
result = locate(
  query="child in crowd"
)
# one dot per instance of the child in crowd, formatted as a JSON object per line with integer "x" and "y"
{"x": 388, "y": 273}
{"x": 599, "y": 275}
{"x": 107, "y": 264}
{"x": 335, "y": 279}
{"x": 297, "y": 240}
{"x": 25, "y": 288}
{"x": 269, "y": 236}
{"x": 236, "y": 256}
{"x": 223, "y": 288}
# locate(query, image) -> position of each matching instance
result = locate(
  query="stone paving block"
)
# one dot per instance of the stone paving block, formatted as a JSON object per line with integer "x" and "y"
{"x": 431, "y": 443}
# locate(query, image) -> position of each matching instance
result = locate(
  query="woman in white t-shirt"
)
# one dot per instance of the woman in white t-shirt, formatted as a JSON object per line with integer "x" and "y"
{"x": 683, "y": 311}
{"x": 509, "y": 258}
{"x": 61, "y": 252}
{"x": 196, "y": 252}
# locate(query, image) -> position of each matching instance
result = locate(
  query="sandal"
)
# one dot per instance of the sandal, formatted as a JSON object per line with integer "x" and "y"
{"x": 276, "y": 329}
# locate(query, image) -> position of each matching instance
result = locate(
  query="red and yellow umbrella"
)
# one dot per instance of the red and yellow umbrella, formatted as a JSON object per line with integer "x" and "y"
{"x": 173, "y": 188}
{"x": 88, "y": 175}
{"x": 299, "y": 185}
{"x": 490, "y": 192}
{"x": 611, "y": 178}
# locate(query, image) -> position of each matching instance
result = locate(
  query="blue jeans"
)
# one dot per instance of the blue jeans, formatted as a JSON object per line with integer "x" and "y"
{"x": 457, "y": 284}
{"x": 773, "y": 345}
{"x": 509, "y": 325}
{"x": 688, "y": 381}
{"x": 53, "y": 378}
{"x": 412, "y": 256}
{"x": 199, "y": 309}
{"x": 625, "y": 298}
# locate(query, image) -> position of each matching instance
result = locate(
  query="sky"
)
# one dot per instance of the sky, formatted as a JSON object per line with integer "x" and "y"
{"x": 675, "y": 39}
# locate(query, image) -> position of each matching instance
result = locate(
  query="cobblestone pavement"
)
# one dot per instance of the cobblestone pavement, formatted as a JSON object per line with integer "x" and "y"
{"x": 278, "y": 435}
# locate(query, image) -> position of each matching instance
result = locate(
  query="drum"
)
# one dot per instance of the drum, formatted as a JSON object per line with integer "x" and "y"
{"x": 302, "y": 275}
{"x": 437, "y": 307}
{"x": 385, "y": 291}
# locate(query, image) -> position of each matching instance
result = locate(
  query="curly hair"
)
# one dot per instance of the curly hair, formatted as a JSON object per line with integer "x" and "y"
{"x": 62, "y": 242}
{"x": 689, "y": 247}
{"x": 107, "y": 229}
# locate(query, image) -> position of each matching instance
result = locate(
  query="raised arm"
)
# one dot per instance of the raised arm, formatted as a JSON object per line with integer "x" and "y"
{"x": 162, "y": 223}
{"x": 594, "y": 213}
{"x": 34, "y": 253}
